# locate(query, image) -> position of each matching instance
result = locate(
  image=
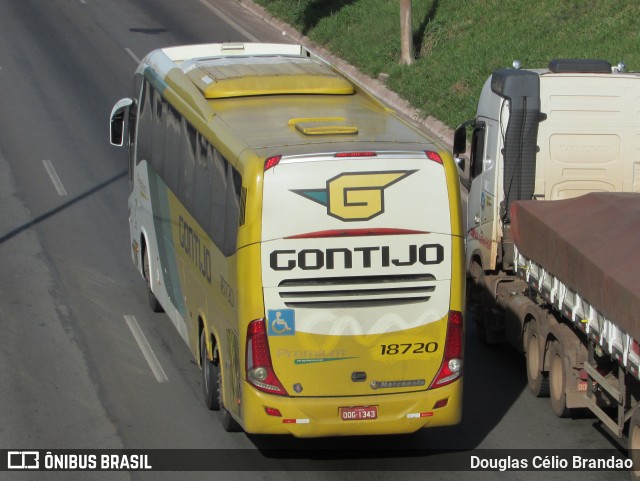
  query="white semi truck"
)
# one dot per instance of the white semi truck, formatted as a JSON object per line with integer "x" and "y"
{"x": 553, "y": 231}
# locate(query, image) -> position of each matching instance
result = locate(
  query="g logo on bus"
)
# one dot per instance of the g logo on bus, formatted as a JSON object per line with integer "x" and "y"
{"x": 355, "y": 196}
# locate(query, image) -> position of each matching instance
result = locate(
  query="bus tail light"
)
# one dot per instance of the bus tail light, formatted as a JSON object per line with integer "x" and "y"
{"x": 258, "y": 363}
{"x": 451, "y": 368}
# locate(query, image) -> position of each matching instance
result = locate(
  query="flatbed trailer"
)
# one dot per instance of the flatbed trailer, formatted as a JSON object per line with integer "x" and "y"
{"x": 573, "y": 305}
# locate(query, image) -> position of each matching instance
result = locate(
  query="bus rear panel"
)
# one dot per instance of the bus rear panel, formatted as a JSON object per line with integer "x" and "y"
{"x": 357, "y": 283}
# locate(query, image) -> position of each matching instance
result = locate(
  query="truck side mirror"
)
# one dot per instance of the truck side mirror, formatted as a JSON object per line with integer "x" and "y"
{"x": 460, "y": 140}
{"x": 460, "y": 137}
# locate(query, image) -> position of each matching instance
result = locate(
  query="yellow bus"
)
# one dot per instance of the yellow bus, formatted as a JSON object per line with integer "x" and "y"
{"x": 305, "y": 241}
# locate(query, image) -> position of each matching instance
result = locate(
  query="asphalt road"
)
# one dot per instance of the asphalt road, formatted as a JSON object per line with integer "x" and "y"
{"x": 72, "y": 373}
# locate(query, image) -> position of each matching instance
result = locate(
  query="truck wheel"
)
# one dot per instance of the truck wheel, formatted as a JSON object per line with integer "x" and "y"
{"x": 153, "y": 302}
{"x": 537, "y": 379}
{"x": 210, "y": 373}
{"x": 634, "y": 444}
{"x": 558, "y": 381}
{"x": 229, "y": 424}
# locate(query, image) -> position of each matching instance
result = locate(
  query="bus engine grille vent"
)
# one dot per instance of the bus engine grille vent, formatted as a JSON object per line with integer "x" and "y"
{"x": 357, "y": 291}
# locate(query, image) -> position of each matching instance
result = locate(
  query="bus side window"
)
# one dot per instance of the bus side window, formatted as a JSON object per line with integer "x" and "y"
{"x": 133, "y": 121}
{"x": 218, "y": 198}
{"x": 158, "y": 133}
{"x": 232, "y": 210}
{"x": 242, "y": 215}
{"x": 172, "y": 147}
{"x": 145, "y": 124}
{"x": 202, "y": 181}
{"x": 186, "y": 179}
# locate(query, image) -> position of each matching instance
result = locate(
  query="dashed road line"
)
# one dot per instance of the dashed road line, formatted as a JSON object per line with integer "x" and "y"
{"x": 132, "y": 55}
{"x": 57, "y": 183}
{"x": 229, "y": 21}
{"x": 144, "y": 346}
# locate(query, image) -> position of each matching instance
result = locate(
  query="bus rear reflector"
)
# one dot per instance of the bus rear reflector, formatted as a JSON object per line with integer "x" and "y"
{"x": 441, "y": 403}
{"x": 258, "y": 363}
{"x": 272, "y": 412}
{"x": 435, "y": 156}
{"x": 272, "y": 162}
{"x": 451, "y": 368}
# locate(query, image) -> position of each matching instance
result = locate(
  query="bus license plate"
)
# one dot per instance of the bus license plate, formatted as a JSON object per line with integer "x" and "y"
{"x": 359, "y": 413}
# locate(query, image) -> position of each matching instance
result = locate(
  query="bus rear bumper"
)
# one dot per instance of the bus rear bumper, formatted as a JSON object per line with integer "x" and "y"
{"x": 319, "y": 417}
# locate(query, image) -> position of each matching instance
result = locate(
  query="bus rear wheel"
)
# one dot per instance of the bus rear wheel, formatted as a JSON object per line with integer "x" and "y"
{"x": 210, "y": 373}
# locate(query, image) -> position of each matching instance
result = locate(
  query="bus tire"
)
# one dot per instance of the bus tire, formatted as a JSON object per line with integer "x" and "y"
{"x": 210, "y": 373}
{"x": 154, "y": 304}
{"x": 558, "y": 381}
{"x": 229, "y": 424}
{"x": 537, "y": 379}
{"x": 634, "y": 444}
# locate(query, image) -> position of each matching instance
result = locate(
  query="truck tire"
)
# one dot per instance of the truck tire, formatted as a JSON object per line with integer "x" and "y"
{"x": 537, "y": 379}
{"x": 558, "y": 381}
{"x": 634, "y": 444}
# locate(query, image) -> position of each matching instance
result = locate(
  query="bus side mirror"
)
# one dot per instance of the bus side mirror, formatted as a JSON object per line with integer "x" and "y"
{"x": 117, "y": 121}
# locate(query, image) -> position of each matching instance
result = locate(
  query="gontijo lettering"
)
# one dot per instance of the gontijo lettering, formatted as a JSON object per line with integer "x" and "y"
{"x": 365, "y": 257}
{"x": 195, "y": 249}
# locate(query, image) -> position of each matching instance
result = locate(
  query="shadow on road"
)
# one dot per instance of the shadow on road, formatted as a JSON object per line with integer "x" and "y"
{"x": 61, "y": 207}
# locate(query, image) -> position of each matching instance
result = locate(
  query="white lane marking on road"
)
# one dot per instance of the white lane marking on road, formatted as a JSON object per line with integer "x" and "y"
{"x": 132, "y": 55}
{"x": 144, "y": 346}
{"x": 229, "y": 21}
{"x": 57, "y": 183}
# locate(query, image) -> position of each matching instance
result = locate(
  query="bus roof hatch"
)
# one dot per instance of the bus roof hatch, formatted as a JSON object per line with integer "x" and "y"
{"x": 227, "y": 77}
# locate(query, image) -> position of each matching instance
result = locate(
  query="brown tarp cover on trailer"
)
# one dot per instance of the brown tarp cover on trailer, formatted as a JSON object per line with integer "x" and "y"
{"x": 592, "y": 244}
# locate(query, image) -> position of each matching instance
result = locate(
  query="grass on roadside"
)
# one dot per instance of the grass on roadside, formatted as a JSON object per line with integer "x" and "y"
{"x": 458, "y": 44}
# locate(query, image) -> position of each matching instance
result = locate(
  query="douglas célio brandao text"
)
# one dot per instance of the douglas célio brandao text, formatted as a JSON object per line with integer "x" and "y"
{"x": 549, "y": 462}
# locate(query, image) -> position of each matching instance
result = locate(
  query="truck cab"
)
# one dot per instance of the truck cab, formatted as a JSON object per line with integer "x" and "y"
{"x": 553, "y": 133}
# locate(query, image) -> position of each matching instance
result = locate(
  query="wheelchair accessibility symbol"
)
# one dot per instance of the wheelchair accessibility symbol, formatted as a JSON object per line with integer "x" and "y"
{"x": 282, "y": 322}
